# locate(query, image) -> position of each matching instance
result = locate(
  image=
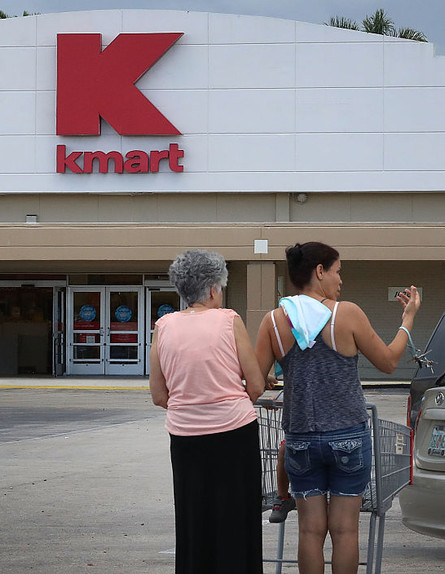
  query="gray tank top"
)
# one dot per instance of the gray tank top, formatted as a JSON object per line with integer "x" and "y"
{"x": 322, "y": 390}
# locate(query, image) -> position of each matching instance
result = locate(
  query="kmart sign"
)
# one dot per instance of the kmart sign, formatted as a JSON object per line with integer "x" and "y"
{"x": 93, "y": 83}
{"x": 134, "y": 161}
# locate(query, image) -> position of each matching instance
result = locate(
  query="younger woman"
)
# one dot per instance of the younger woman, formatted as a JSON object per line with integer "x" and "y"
{"x": 316, "y": 341}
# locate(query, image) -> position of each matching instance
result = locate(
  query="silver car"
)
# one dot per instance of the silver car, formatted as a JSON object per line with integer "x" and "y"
{"x": 423, "y": 502}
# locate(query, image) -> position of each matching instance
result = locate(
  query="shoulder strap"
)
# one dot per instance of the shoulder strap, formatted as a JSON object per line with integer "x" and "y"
{"x": 334, "y": 313}
{"x": 277, "y": 334}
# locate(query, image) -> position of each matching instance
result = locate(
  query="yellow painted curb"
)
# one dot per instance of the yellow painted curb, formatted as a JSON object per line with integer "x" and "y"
{"x": 385, "y": 383}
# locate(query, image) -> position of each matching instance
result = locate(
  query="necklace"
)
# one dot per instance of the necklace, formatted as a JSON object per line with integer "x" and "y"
{"x": 204, "y": 308}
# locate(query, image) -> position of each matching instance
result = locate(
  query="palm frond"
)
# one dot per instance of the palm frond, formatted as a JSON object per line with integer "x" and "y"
{"x": 410, "y": 34}
{"x": 379, "y": 23}
{"x": 342, "y": 22}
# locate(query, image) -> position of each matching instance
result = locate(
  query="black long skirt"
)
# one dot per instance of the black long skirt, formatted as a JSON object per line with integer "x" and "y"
{"x": 217, "y": 490}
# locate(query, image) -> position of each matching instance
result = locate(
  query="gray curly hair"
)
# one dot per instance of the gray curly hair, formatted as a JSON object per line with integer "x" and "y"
{"x": 195, "y": 272}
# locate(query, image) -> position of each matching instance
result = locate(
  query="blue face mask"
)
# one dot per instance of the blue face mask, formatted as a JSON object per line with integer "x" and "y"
{"x": 307, "y": 317}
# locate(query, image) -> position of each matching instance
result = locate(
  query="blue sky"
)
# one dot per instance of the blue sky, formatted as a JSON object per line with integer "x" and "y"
{"x": 427, "y": 16}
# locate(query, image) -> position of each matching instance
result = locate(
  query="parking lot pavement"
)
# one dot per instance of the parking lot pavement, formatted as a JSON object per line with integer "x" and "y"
{"x": 86, "y": 487}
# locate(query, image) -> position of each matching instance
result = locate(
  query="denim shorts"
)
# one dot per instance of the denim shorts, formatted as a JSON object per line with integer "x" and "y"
{"x": 338, "y": 462}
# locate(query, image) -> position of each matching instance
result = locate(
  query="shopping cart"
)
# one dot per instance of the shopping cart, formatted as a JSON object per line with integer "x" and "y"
{"x": 391, "y": 471}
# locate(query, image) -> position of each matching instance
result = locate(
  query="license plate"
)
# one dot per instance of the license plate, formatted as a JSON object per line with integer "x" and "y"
{"x": 437, "y": 442}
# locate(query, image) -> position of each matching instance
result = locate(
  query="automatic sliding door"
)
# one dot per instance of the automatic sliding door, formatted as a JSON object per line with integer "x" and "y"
{"x": 105, "y": 331}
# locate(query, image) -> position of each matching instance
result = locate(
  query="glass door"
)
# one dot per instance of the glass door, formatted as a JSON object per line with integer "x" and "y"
{"x": 160, "y": 301}
{"x": 124, "y": 332}
{"x": 86, "y": 342}
{"x": 105, "y": 331}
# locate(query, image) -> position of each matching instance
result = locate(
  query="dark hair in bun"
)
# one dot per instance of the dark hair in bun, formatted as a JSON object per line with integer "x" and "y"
{"x": 303, "y": 258}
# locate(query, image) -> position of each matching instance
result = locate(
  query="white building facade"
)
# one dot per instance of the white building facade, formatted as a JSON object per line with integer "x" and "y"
{"x": 127, "y": 136}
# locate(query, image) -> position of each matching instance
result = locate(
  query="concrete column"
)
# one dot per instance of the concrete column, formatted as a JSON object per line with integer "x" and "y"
{"x": 261, "y": 294}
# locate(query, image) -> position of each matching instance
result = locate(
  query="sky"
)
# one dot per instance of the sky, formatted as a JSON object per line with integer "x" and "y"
{"x": 427, "y": 16}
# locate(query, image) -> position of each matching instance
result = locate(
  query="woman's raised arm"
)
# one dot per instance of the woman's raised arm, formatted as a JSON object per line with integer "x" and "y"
{"x": 384, "y": 357}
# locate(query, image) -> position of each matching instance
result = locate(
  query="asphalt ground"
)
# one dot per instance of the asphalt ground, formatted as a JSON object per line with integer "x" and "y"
{"x": 85, "y": 487}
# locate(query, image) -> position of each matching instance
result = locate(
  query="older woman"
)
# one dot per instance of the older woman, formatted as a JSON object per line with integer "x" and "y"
{"x": 199, "y": 358}
{"x": 316, "y": 341}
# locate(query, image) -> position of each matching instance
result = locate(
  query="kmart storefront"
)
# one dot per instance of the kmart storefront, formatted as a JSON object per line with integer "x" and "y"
{"x": 127, "y": 136}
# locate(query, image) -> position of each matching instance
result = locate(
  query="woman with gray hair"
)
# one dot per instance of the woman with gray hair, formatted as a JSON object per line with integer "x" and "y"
{"x": 198, "y": 360}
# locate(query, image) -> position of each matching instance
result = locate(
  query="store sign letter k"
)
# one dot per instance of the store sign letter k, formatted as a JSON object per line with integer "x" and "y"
{"x": 94, "y": 83}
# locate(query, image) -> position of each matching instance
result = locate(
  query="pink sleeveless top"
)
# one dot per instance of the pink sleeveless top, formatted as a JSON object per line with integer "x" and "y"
{"x": 199, "y": 360}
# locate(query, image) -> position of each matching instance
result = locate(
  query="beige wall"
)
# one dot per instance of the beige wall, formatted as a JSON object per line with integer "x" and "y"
{"x": 224, "y": 207}
{"x": 139, "y": 247}
{"x": 141, "y": 208}
{"x": 369, "y": 207}
{"x": 77, "y": 230}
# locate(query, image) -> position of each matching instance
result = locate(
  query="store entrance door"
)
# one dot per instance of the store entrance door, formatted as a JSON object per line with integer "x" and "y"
{"x": 105, "y": 331}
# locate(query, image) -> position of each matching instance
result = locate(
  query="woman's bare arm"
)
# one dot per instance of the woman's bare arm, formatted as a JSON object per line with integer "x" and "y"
{"x": 249, "y": 364}
{"x": 384, "y": 357}
{"x": 158, "y": 387}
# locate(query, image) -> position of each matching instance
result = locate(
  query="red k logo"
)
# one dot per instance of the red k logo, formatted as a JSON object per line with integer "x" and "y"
{"x": 92, "y": 83}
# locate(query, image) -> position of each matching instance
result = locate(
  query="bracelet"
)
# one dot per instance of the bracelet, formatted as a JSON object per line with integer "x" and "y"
{"x": 410, "y": 340}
